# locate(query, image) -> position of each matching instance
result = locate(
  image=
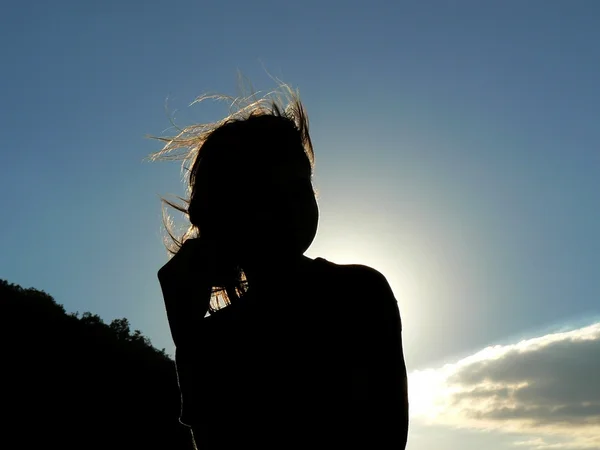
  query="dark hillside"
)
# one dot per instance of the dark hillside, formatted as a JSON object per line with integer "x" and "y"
{"x": 72, "y": 382}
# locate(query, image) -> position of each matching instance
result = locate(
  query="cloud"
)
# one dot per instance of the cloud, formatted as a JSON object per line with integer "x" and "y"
{"x": 546, "y": 388}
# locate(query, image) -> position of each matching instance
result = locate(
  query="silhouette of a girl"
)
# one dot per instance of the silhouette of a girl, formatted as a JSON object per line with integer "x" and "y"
{"x": 274, "y": 349}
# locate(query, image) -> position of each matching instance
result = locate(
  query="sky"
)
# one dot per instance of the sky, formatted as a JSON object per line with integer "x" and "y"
{"x": 457, "y": 151}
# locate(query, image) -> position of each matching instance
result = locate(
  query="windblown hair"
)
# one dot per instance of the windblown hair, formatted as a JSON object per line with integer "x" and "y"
{"x": 212, "y": 154}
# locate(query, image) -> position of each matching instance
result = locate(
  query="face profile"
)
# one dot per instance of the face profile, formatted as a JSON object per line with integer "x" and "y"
{"x": 257, "y": 184}
{"x": 282, "y": 213}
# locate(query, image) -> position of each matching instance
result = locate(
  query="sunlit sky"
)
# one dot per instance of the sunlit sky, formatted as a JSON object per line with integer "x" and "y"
{"x": 457, "y": 151}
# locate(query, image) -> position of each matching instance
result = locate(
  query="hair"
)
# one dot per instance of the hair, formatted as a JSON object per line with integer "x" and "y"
{"x": 213, "y": 154}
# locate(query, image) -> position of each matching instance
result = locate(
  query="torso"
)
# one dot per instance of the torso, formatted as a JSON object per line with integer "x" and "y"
{"x": 277, "y": 366}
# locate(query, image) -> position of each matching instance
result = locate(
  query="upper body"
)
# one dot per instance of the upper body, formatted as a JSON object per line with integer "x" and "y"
{"x": 300, "y": 351}
{"x": 272, "y": 369}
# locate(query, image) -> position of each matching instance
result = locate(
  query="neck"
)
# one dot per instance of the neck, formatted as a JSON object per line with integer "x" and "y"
{"x": 272, "y": 271}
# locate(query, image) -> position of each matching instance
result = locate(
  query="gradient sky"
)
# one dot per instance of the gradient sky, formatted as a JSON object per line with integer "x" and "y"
{"x": 457, "y": 151}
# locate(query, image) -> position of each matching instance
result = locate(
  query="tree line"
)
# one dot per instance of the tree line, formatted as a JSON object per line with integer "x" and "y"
{"x": 72, "y": 381}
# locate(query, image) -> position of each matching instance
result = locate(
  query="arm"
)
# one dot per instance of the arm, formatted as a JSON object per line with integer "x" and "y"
{"x": 185, "y": 307}
{"x": 186, "y": 290}
{"x": 393, "y": 371}
{"x": 384, "y": 371}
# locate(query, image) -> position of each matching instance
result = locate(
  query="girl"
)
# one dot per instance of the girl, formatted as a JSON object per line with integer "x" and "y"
{"x": 274, "y": 349}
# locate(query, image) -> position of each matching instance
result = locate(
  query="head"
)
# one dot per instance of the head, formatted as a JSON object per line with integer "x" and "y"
{"x": 251, "y": 188}
{"x": 250, "y": 183}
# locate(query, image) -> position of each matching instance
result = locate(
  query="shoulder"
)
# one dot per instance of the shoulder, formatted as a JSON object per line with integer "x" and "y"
{"x": 369, "y": 291}
{"x": 359, "y": 273}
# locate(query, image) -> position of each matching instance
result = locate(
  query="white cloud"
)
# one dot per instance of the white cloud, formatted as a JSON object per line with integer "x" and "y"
{"x": 547, "y": 388}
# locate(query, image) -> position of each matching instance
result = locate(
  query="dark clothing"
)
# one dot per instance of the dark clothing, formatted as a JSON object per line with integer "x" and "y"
{"x": 317, "y": 365}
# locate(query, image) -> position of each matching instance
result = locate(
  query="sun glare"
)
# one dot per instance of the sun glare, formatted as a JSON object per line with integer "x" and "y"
{"x": 426, "y": 393}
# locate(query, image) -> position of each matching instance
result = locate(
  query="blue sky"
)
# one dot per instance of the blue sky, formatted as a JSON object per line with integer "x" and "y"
{"x": 457, "y": 151}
